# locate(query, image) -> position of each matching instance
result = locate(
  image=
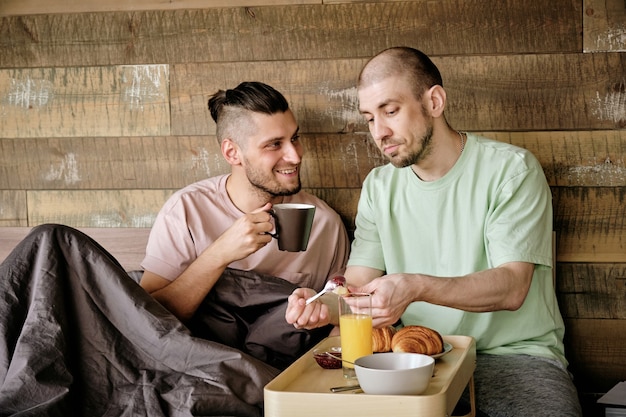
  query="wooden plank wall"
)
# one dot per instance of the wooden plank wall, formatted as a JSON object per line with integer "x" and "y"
{"x": 103, "y": 114}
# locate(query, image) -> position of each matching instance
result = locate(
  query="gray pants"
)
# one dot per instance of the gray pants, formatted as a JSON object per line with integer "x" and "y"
{"x": 522, "y": 386}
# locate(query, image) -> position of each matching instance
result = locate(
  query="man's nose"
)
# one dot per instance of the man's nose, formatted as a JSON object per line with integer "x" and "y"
{"x": 379, "y": 130}
{"x": 293, "y": 153}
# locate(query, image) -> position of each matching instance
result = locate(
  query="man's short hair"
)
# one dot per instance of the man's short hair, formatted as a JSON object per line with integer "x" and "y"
{"x": 227, "y": 107}
{"x": 402, "y": 60}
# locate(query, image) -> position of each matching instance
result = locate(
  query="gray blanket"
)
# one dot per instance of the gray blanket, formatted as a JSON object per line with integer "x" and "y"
{"x": 79, "y": 337}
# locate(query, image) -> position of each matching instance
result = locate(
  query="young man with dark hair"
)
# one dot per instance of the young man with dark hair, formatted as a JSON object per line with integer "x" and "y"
{"x": 224, "y": 221}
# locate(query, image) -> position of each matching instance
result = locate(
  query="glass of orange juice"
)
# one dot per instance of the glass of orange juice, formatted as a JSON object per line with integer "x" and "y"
{"x": 355, "y": 327}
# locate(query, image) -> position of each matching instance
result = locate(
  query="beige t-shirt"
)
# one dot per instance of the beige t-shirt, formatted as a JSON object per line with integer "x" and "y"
{"x": 198, "y": 214}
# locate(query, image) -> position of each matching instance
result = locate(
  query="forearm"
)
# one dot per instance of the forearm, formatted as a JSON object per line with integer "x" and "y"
{"x": 502, "y": 288}
{"x": 358, "y": 276}
{"x": 184, "y": 295}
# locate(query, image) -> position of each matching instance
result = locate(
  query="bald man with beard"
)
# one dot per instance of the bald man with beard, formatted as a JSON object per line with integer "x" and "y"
{"x": 455, "y": 234}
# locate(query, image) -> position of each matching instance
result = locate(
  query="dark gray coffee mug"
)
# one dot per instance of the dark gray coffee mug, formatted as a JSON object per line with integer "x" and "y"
{"x": 293, "y": 225}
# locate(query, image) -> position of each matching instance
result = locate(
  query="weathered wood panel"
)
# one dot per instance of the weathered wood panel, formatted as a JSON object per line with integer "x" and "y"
{"x": 322, "y": 94}
{"x": 599, "y": 236}
{"x": 26, "y": 7}
{"x": 536, "y": 92}
{"x": 127, "y": 245}
{"x": 130, "y": 100}
{"x": 165, "y": 162}
{"x": 108, "y": 163}
{"x": 592, "y": 291}
{"x": 86, "y": 101}
{"x": 102, "y": 208}
{"x": 590, "y": 221}
{"x": 596, "y": 350}
{"x": 604, "y": 23}
{"x": 487, "y": 93}
{"x": 569, "y": 158}
{"x": 138, "y": 208}
{"x": 590, "y": 224}
{"x": 13, "y": 208}
{"x": 284, "y": 32}
{"x": 338, "y": 161}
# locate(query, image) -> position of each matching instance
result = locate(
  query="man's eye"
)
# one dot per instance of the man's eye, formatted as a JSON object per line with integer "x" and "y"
{"x": 295, "y": 138}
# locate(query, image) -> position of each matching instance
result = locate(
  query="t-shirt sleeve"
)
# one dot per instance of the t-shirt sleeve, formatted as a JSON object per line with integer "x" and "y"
{"x": 342, "y": 249}
{"x": 519, "y": 228}
{"x": 367, "y": 247}
{"x": 170, "y": 249}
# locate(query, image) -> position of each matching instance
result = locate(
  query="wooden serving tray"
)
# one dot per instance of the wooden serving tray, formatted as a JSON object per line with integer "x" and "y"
{"x": 303, "y": 389}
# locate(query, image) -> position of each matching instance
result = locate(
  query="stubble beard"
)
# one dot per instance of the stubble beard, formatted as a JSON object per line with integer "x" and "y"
{"x": 417, "y": 155}
{"x": 267, "y": 185}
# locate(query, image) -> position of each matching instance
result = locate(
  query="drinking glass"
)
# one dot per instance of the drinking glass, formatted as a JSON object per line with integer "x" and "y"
{"x": 355, "y": 327}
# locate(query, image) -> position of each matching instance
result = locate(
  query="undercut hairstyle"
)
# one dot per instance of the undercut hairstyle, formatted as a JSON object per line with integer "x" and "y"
{"x": 231, "y": 109}
{"x": 421, "y": 71}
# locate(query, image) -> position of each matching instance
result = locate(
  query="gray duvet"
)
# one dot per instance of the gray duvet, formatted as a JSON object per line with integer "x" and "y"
{"x": 79, "y": 337}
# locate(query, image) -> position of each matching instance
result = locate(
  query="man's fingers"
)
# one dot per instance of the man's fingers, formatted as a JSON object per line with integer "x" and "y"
{"x": 265, "y": 208}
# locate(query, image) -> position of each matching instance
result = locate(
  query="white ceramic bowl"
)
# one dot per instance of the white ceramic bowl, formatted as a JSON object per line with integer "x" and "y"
{"x": 394, "y": 373}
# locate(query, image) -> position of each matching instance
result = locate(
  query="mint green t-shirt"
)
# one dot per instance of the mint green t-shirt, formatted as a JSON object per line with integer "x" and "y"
{"x": 494, "y": 206}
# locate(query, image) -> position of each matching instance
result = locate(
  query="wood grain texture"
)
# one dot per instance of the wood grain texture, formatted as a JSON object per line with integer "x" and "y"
{"x": 536, "y": 92}
{"x": 85, "y": 101}
{"x": 166, "y": 162}
{"x": 322, "y": 94}
{"x": 328, "y": 31}
{"x": 485, "y": 93}
{"x": 604, "y": 23}
{"x": 96, "y": 208}
{"x": 569, "y": 159}
{"x": 590, "y": 224}
{"x": 338, "y": 161}
{"x": 108, "y": 163}
{"x": 26, "y": 7}
{"x": 592, "y": 291}
{"x": 581, "y": 236}
{"x": 13, "y": 208}
{"x": 127, "y": 245}
{"x": 596, "y": 350}
{"x": 138, "y": 208}
{"x": 589, "y": 209}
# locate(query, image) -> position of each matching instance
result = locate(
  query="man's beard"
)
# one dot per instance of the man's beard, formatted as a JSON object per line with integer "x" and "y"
{"x": 268, "y": 185}
{"x": 417, "y": 155}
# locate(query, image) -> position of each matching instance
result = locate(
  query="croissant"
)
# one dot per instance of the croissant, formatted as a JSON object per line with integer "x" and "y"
{"x": 417, "y": 339}
{"x": 381, "y": 339}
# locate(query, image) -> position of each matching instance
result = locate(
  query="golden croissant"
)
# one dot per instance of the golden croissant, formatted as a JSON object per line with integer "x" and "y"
{"x": 417, "y": 339}
{"x": 381, "y": 339}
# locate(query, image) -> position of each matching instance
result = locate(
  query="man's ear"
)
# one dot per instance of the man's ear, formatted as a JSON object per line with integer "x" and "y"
{"x": 231, "y": 151}
{"x": 437, "y": 100}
